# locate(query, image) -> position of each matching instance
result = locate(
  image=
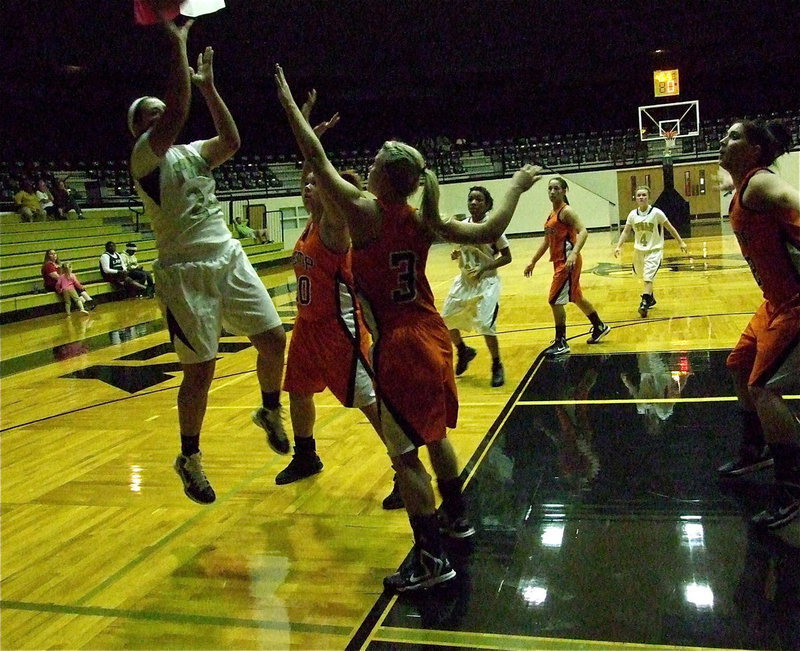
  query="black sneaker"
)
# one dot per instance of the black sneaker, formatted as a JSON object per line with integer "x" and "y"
{"x": 784, "y": 509}
{"x": 557, "y": 348}
{"x": 301, "y": 466}
{"x": 745, "y": 464}
{"x": 421, "y": 570}
{"x": 271, "y": 420}
{"x": 643, "y": 306}
{"x": 195, "y": 483}
{"x": 598, "y": 334}
{"x": 651, "y": 301}
{"x": 463, "y": 360}
{"x": 393, "y": 500}
{"x": 454, "y": 528}
{"x": 498, "y": 375}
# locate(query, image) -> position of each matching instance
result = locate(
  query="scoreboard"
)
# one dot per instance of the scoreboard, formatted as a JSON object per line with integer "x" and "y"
{"x": 665, "y": 83}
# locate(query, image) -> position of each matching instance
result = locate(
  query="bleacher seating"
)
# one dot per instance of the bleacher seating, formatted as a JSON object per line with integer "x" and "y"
{"x": 81, "y": 242}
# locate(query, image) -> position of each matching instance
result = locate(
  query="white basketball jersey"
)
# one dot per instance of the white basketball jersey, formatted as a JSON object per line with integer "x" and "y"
{"x": 648, "y": 228}
{"x": 472, "y": 254}
{"x": 178, "y": 195}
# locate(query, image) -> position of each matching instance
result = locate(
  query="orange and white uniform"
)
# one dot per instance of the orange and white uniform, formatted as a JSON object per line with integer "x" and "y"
{"x": 769, "y": 347}
{"x": 412, "y": 355}
{"x": 329, "y": 346}
{"x": 566, "y": 285}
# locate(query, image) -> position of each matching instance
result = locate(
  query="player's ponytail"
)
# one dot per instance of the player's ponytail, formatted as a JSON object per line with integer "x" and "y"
{"x": 429, "y": 206}
{"x": 772, "y": 137}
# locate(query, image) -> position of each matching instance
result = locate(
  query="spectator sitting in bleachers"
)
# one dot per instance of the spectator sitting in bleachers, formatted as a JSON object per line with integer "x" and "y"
{"x": 27, "y": 203}
{"x": 45, "y": 198}
{"x": 64, "y": 201}
{"x": 135, "y": 270}
{"x": 115, "y": 272}
{"x": 241, "y": 229}
{"x": 71, "y": 291}
{"x": 50, "y": 266}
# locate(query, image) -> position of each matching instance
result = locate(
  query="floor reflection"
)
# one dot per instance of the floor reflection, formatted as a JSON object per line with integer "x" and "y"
{"x": 599, "y": 519}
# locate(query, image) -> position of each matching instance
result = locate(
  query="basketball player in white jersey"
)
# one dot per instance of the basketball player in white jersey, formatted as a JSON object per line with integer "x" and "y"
{"x": 203, "y": 276}
{"x": 648, "y": 224}
{"x": 473, "y": 301}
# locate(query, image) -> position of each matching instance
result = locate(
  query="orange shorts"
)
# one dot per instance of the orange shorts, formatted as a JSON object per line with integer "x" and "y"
{"x": 769, "y": 348}
{"x": 415, "y": 382}
{"x": 566, "y": 285}
{"x": 333, "y": 354}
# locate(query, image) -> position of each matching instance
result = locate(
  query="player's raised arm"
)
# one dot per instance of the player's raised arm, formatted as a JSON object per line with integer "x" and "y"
{"x": 227, "y": 141}
{"x": 177, "y": 98}
{"x": 354, "y": 206}
{"x": 491, "y": 228}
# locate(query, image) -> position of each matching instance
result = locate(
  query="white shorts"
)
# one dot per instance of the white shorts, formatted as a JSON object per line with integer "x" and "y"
{"x": 473, "y": 306}
{"x": 199, "y": 298}
{"x": 646, "y": 263}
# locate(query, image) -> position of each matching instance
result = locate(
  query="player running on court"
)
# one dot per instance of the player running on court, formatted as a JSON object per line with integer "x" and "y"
{"x": 647, "y": 223}
{"x": 564, "y": 237}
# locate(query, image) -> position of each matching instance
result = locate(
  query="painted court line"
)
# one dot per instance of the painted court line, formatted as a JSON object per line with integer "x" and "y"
{"x": 163, "y": 616}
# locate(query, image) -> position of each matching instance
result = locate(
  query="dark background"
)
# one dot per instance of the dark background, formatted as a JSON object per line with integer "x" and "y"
{"x": 392, "y": 68}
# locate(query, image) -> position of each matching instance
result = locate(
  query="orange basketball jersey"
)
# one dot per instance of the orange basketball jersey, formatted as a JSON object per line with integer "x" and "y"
{"x": 323, "y": 277}
{"x": 770, "y": 243}
{"x": 390, "y": 272}
{"x": 561, "y": 238}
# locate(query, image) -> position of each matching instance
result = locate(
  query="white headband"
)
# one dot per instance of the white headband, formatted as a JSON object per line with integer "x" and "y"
{"x": 132, "y": 112}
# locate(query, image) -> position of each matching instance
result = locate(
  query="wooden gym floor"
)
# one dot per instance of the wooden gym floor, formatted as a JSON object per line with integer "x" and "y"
{"x": 590, "y": 479}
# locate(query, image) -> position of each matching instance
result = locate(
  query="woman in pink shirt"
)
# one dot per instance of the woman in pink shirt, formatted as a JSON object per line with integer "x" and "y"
{"x": 70, "y": 289}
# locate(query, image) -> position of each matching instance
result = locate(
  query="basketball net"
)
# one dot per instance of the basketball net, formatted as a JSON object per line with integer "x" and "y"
{"x": 669, "y": 142}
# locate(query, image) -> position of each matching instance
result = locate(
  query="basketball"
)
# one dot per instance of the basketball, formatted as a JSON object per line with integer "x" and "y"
{"x": 150, "y": 12}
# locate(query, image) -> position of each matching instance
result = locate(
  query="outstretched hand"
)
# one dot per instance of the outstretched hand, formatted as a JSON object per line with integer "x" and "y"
{"x": 308, "y": 105}
{"x": 322, "y": 127}
{"x": 526, "y": 176}
{"x": 203, "y": 75}
{"x": 284, "y": 92}
{"x": 178, "y": 32}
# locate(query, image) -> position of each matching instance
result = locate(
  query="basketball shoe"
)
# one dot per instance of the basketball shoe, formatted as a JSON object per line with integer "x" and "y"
{"x": 271, "y": 420}
{"x": 195, "y": 483}
{"x": 464, "y": 359}
{"x": 421, "y": 570}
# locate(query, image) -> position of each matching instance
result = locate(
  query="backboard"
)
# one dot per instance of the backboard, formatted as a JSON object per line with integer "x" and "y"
{"x": 655, "y": 120}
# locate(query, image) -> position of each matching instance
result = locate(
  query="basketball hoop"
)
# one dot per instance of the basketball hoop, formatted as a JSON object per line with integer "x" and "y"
{"x": 669, "y": 142}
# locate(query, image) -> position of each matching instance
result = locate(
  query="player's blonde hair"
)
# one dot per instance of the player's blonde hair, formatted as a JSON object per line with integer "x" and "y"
{"x": 406, "y": 170}
{"x": 403, "y": 166}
